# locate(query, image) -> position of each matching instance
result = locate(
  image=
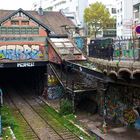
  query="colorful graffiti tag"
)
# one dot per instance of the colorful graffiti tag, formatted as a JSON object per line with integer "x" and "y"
{"x": 79, "y": 42}
{"x": 129, "y": 116}
{"x": 21, "y": 52}
{"x": 120, "y": 106}
{"x": 55, "y": 90}
{"x": 120, "y": 103}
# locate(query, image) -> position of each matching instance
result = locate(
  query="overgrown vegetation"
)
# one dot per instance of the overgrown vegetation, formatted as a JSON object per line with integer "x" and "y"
{"x": 67, "y": 120}
{"x": 9, "y": 120}
{"x": 6, "y": 134}
{"x": 65, "y": 107}
{"x": 98, "y": 18}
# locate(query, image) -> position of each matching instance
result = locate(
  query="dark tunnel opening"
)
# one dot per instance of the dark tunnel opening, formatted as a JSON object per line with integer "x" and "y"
{"x": 87, "y": 104}
{"x": 29, "y": 78}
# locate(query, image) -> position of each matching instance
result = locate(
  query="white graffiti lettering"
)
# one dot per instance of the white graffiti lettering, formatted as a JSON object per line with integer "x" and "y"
{"x": 25, "y": 65}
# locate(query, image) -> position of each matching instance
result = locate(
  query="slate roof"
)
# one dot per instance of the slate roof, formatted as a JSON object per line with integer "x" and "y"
{"x": 51, "y": 20}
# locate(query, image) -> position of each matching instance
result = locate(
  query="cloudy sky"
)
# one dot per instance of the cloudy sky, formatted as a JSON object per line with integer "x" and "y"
{"x": 28, "y": 4}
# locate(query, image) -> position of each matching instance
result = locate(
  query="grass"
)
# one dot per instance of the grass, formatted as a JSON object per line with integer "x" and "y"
{"x": 9, "y": 120}
{"x": 6, "y": 134}
{"x": 67, "y": 122}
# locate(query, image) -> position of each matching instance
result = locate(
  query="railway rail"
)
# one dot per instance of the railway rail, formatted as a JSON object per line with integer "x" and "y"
{"x": 44, "y": 125}
{"x": 29, "y": 133}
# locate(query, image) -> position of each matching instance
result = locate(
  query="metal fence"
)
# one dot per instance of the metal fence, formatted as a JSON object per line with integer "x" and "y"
{"x": 120, "y": 49}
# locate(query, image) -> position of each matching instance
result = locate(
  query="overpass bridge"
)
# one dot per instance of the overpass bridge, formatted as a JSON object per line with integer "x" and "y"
{"x": 118, "y": 69}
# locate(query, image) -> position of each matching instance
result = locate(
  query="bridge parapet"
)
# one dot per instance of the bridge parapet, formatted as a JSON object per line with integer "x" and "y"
{"x": 125, "y": 69}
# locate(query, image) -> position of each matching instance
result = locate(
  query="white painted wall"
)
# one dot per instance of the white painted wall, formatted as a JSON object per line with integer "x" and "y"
{"x": 124, "y": 18}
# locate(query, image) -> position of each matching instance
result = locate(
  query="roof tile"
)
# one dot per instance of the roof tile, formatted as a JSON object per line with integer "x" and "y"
{"x": 54, "y": 20}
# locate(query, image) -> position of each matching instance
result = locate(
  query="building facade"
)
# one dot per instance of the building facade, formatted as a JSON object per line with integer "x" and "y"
{"x": 124, "y": 22}
{"x": 23, "y": 35}
{"x": 73, "y": 9}
{"x": 111, "y": 30}
{"x": 21, "y": 38}
{"x": 136, "y": 15}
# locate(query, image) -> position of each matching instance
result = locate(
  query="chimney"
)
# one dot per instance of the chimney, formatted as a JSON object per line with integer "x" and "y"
{"x": 40, "y": 11}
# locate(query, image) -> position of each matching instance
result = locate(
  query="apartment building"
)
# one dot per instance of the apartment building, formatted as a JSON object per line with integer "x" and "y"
{"x": 136, "y": 14}
{"x": 73, "y": 9}
{"x": 125, "y": 21}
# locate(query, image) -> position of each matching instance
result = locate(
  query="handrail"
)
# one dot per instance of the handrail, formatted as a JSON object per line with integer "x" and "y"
{"x": 56, "y": 74}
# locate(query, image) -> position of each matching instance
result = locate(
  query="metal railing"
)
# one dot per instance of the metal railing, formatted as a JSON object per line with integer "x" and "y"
{"x": 121, "y": 49}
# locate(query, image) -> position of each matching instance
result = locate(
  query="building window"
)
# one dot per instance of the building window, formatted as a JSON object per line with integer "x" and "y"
{"x": 77, "y": 8}
{"x": 23, "y": 30}
{"x": 14, "y": 22}
{"x": 29, "y": 30}
{"x": 9, "y": 30}
{"x": 113, "y": 10}
{"x": 3, "y": 30}
{"x": 24, "y": 22}
{"x": 35, "y": 30}
{"x": 19, "y": 30}
{"x": 16, "y": 30}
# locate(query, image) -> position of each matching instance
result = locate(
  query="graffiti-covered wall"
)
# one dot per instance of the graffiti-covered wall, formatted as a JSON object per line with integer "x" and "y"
{"x": 81, "y": 43}
{"x": 22, "y": 52}
{"x": 122, "y": 103}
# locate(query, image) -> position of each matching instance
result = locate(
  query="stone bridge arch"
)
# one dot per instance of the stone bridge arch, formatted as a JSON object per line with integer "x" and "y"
{"x": 125, "y": 73}
{"x": 136, "y": 74}
{"x": 113, "y": 75}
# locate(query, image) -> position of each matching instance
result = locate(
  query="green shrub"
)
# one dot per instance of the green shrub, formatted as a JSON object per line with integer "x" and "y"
{"x": 66, "y": 107}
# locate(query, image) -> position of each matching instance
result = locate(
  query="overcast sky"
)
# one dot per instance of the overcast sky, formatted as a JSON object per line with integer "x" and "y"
{"x": 28, "y": 4}
{"x": 103, "y": 1}
{"x": 16, "y": 4}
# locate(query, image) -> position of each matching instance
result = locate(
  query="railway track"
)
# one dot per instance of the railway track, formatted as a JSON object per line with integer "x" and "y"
{"x": 40, "y": 107}
{"x": 44, "y": 125}
{"x": 29, "y": 133}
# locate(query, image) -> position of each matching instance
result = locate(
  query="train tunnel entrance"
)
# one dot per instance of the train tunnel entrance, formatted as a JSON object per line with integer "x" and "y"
{"x": 32, "y": 78}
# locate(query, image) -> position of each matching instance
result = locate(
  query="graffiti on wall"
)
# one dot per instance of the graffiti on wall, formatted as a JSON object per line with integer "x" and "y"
{"x": 55, "y": 90}
{"x": 79, "y": 42}
{"x": 121, "y": 106}
{"x": 21, "y": 52}
{"x": 120, "y": 103}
